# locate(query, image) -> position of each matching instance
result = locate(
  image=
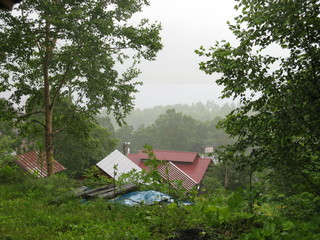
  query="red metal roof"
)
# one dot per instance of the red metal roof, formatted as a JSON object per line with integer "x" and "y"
{"x": 189, "y": 163}
{"x": 172, "y": 173}
{"x": 35, "y": 162}
{"x": 174, "y": 156}
{"x": 197, "y": 169}
{"x": 136, "y": 158}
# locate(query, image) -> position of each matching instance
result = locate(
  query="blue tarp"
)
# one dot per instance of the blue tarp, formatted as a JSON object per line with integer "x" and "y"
{"x": 144, "y": 197}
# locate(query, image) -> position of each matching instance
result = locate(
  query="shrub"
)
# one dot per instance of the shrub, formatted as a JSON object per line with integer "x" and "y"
{"x": 303, "y": 206}
{"x": 10, "y": 173}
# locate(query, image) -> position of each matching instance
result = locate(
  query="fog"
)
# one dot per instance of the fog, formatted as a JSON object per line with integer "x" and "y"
{"x": 175, "y": 76}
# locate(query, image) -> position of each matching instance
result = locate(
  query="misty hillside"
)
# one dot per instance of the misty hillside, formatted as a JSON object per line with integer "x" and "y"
{"x": 199, "y": 111}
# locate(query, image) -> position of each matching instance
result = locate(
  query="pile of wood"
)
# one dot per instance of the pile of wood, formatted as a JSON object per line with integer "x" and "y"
{"x": 107, "y": 191}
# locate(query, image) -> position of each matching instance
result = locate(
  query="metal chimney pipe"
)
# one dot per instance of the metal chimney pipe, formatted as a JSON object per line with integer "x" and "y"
{"x": 126, "y": 148}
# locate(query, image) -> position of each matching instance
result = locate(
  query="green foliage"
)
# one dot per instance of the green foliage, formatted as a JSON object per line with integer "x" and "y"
{"x": 86, "y": 50}
{"x": 227, "y": 176}
{"x": 211, "y": 185}
{"x": 106, "y": 123}
{"x": 302, "y": 206}
{"x": 199, "y": 111}
{"x": 6, "y": 148}
{"x": 174, "y": 131}
{"x": 277, "y": 126}
{"x": 77, "y": 154}
{"x": 93, "y": 174}
{"x": 58, "y": 214}
{"x": 10, "y": 173}
{"x": 152, "y": 163}
{"x": 63, "y": 54}
{"x": 9, "y": 139}
{"x": 124, "y": 134}
{"x": 79, "y": 141}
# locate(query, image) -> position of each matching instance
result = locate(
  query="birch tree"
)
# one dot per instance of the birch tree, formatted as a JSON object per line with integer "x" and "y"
{"x": 57, "y": 49}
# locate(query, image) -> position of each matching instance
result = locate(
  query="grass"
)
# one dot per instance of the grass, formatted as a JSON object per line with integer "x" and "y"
{"x": 48, "y": 209}
{"x": 37, "y": 213}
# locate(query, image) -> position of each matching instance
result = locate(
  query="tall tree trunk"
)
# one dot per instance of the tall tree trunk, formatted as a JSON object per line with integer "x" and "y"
{"x": 48, "y": 134}
{"x": 47, "y": 104}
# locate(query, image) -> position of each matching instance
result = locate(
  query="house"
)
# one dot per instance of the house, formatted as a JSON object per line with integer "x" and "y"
{"x": 186, "y": 166}
{"x": 34, "y": 162}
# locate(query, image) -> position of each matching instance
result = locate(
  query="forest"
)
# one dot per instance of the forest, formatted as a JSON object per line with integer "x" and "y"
{"x": 63, "y": 95}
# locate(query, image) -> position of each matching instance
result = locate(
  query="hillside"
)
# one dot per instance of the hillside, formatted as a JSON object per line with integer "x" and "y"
{"x": 46, "y": 209}
{"x": 199, "y": 111}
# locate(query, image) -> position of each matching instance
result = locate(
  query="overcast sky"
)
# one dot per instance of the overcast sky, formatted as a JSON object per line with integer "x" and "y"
{"x": 175, "y": 76}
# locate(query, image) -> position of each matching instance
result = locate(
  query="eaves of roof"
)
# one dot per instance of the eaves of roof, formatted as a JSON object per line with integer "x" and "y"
{"x": 34, "y": 162}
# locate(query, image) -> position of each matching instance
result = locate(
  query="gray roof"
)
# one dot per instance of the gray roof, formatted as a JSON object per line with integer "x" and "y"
{"x": 118, "y": 160}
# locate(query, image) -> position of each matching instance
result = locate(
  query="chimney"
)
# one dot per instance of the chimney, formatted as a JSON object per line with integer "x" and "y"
{"x": 126, "y": 148}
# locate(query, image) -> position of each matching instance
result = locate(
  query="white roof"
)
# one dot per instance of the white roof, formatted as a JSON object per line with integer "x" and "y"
{"x": 122, "y": 163}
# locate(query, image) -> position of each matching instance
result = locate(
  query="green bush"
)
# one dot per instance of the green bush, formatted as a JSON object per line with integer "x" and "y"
{"x": 94, "y": 175}
{"x": 303, "y": 206}
{"x": 211, "y": 185}
{"x": 47, "y": 208}
{"x": 10, "y": 173}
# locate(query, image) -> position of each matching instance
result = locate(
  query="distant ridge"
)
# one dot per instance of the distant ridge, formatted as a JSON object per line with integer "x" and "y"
{"x": 199, "y": 111}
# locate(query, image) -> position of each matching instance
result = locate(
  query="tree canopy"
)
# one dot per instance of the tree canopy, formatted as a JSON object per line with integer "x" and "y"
{"x": 277, "y": 125}
{"x": 53, "y": 50}
{"x": 199, "y": 111}
{"x": 174, "y": 131}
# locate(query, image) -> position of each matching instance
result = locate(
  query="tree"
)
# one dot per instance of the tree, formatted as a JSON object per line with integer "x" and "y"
{"x": 82, "y": 143}
{"x": 124, "y": 134}
{"x": 78, "y": 154}
{"x": 174, "y": 131}
{"x": 277, "y": 126}
{"x": 6, "y": 149}
{"x": 54, "y": 49}
{"x": 171, "y": 131}
{"x": 106, "y": 123}
{"x": 9, "y": 139}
